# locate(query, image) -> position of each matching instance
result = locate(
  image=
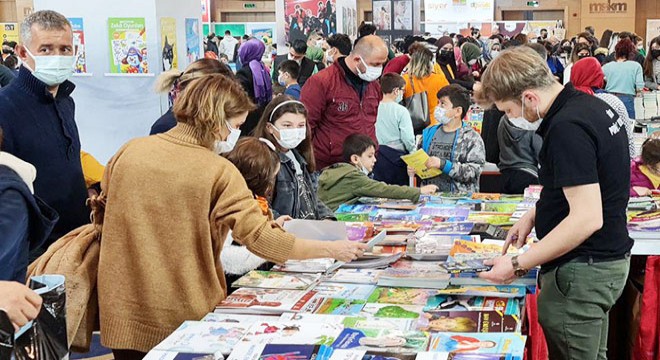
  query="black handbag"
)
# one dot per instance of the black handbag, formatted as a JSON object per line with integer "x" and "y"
{"x": 418, "y": 107}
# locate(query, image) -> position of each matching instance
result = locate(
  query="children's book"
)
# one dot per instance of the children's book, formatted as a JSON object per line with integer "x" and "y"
{"x": 417, "y": 161}
{"x": 401, "y": 296}
{"x": 435, "y": 247}
{"x": 276, "y": 280}
{"x": 356, "y": 276}
{"x": 427, "y": 279}
{"x": 344, "y": 291}
{"x": 469, "y": 321}
{"x": 391, "y": 311}
{"x": 265, "y": 301}
{"x": 444, "y": 228}
{"x": 218, "y": 316}
{"x": 199, "y": 337}
{"x": 480, "y": 343}
{"x": 344, "y": 307}
{"x": 293, "y": 332}
{"x": 305, "y": 266}
{"x": 507, "y": 291}
{"x": 445, "y": 213}
{"x": 375, "y": 340}
{"x": 454, "y": 266}
{"x": 356, "y": 322}
{"x": 507, "y": 306}
{"x": 465, "y": 250}
{"x": 261, "y": 351}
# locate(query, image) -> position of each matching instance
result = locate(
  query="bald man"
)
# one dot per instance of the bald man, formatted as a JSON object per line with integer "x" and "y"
{"x": 343, "y": 99}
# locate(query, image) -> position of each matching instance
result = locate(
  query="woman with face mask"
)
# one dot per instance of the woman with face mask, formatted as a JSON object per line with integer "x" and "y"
{"x": 170, "y": 202}
{"x": 284, "y": 123}
{"x": 421, "y": 77}
{"x": 652, "y": 65}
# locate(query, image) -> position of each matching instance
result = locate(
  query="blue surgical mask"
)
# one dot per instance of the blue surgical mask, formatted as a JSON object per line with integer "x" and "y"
{"x": 399, "y": 98}
{"x": 52, "y": 69}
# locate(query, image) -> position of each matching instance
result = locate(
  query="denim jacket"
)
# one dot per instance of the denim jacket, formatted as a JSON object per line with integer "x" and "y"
{"x": 285, "y": 197}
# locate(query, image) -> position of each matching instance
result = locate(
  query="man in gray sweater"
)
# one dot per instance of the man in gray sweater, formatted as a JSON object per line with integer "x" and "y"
{"x": 519, "y": 156}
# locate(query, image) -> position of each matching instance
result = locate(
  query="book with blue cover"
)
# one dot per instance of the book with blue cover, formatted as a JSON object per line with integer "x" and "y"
{"x": 479, "y": 343}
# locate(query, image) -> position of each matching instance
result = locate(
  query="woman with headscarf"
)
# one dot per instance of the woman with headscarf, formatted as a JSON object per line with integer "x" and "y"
{"x": 255, "y": 79}
{"x": 446, "y": 62}
{"x": 587, "y": 76}
{"x": 317, "y": 55}
{"x": 471, "y": 54}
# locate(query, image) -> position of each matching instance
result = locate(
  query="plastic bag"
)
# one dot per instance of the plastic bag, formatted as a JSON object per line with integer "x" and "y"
{"x": 45, "y": 337}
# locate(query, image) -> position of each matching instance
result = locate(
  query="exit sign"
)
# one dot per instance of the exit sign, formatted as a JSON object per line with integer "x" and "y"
{"x": 533, "y": 3}
{"x": 249, "y": 6}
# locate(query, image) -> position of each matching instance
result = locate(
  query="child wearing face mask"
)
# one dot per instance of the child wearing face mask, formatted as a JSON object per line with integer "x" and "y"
{"x": 453, "y": 146}
{"x": 346, "y": 182}
{"x": 284, "y": 123}
{"x": 394, "y": 132}
{"x": 288, "y": 78}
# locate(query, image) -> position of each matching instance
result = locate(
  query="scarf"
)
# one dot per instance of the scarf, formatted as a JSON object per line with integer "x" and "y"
{"x": 587, "y": 74}
{"x": 250, "y": 55}
{"x": 26, "y": 171}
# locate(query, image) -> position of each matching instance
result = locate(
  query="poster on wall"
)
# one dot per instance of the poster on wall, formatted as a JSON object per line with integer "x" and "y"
{"x": 652, "y": 30}
{"x": 261, "y": 30}
{"x": 79, "y": 45}
{"x": 304, "y": 16}
{"x": 347, "y": 13}
{"x": 443, "y": 11}
{"x": 192, "y": 40}
{"x": 403, "y": 18}
{"x": 553, "y": 28}
{"x": 382, "y": 12}
{"x": 169, "y": 56}
{"x": 9, "y": 31}
{"x": 128, "y": 46}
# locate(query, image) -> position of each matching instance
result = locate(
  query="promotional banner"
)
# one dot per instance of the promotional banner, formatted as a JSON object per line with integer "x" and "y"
{"x": 553, "y": 28}
{"x": 9, "y": 31}
{"x": 237, "y": 29}
{"x": 169, "y": 55}
{"x": 192, "y": 40}
{"x": 382, "y": 11}
{"x": 79, "y": 44}
{"x": 652, "y": 30}
{"x": 403, "y": 15}
{"x": 465, "y": 10}
{"x": 261, "y": 30}
{"x": 304, "y": 16}
{"x": 128, "y": 46}
{"x": 347, "y": 17}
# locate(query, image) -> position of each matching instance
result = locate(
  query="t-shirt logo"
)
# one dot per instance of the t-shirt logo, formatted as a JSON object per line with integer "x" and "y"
{"x": 342, "y": 107}
{"x": 610, "y": 113}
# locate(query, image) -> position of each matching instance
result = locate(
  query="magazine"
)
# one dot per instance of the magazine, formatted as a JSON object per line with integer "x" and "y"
{"x": 454, "y": 266}
{"x": 344, "y": 291}
{"x": 276, "y": 280}
{"x": 395, "y": 341}
{"x": 486, "y": 290}
{"x": 293, "y": 332}
{"x": 401, "y": 296}
{"x": 391, "y": 311}
{"x": 305, "y": 266}
{"x": 219, "y": 316}
{"x": 427, "y": 279}
{"x": 356, "y": 276}
{"x": 199, "y": 337}
{"x": 484, "y": 343}
{"x": 340, "y": 307}
{"x": 469, "y": 321}
{"x": 508, "y": 306}
{"x": 262, "y": 351}
{"x": 265, "y": 301}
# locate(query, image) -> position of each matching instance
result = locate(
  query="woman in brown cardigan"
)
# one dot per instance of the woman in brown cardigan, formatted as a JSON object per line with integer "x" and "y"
{"x": 170, "y": 202}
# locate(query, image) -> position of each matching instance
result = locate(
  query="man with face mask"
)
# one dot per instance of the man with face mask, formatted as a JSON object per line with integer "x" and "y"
{"x": 343, "y": 99}
{"x": 584, "y": 252}
{"x": 340, "y": 46}
{"x": 297, "y": 52}
{"x": 40, "y": 127}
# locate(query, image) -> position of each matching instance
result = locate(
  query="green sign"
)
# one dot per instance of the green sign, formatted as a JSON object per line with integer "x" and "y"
{"x": 205, "y": 30}
{"x": 249, "y": 6}
{"x": 533, "y": 3}
{"x": 236, "y": 29}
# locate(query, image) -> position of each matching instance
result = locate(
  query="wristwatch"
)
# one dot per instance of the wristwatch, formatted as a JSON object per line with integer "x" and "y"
{"x": 518, "y": 270}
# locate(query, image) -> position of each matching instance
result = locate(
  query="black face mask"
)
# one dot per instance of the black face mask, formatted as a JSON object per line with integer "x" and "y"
{"x": 7, "y": 51}
{"x": 655, "y": 53}
{"x": 583, "y": 56}
{"x": 445, "y": 55}
{"x": 567, "y": 49}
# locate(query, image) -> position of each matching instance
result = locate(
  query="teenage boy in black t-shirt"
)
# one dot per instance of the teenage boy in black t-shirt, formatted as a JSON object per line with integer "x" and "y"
{"x": 580, "y": 218}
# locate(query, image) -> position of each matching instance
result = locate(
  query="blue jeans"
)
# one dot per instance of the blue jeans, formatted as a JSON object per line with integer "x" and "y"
{"x": 629, "y": 102}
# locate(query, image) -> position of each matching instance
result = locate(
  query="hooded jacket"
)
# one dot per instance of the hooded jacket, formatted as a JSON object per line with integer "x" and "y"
{"x": 519, "y": 149}
{"x": 25, "y": 220}
{"x": 343, "y": 184}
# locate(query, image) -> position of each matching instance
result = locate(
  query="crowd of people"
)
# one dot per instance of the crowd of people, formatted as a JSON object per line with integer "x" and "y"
{"x": 294, "y": 136}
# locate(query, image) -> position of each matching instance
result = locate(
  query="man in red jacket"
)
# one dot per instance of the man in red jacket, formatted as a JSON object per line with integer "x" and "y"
{"x": 343, "y": 99}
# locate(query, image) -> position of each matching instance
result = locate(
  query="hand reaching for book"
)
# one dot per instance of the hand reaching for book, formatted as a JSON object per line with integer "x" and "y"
{"x": 19, "y": 302}
{"x": 429, "y": 189}
{"x": 519, "y": 232}
{"x": 346, "y": 250}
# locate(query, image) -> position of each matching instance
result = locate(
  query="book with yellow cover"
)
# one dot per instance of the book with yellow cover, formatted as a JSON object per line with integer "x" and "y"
{"x": 417, "y": 161}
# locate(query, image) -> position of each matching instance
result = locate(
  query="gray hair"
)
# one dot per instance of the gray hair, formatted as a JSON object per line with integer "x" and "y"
{"x": 44, "y": 19}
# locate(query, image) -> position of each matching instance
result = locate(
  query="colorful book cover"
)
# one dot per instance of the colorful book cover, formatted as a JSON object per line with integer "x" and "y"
{"x": 172, "y": 355}
{"x": 417, "y": 161}
{"x": 79, "y": 45}
{"x": 357, "y": 322}
{"x": 481, "y": 343}
{"x": 468, "y": 322}
{"x": 392, "y": 311}
{"x": 454, "y": 266}
{"x": 486, "y": 196}
{"x": 356, "y": 276}
{"x": 395, "y": 341}
{"x": 446, "y": 213}
{"x": 276, "y": 280}
{"x": 203, "y": 337}
{"x": 463, "y": 250}
{"x": 168, "y": 43}
{"x": 344, "y": 291}
{"x": 237, "y": 318}
{"x": 128, "y": 46}
{"x": 486, "y": 290}
{"x": 452, "y": 228}
{"x": 293, "y": 332}
{"x": 262, "y": 351}
{"x": 462, "y": 356}
{"x": 344, "y": 307}
{"x": 192, "y": 40}
{"x": 401, "y": 296}
{"x": 258, "y": 301}
{"x": 508, "y": 306}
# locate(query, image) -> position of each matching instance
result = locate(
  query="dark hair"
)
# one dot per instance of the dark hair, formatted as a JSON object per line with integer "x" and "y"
{"x": 590, "y": 29}
{"x": 366, "y": 29}
{"x": 341, "y": 42}
{"x": 626, "y": 35}
{"x": 651, "y": 152}
{"x": 606, "y": 39}
{"x": 227, "y": 32}
{"x": 305, "y": 148}
{"x": 197, "y": 69}
{"x": 11, "y": 61}
{"x": 246, "y": 37}
{"x": 521, "y": 38}
{"x": 458, "y": 96}
{"x": 542, "y": 30}
{"x": 648, "y": 61}
{"x": 356, "y": 144}
{"x": 12, "y": 44}
{"x": 540, "y": 49}
{"x": 577, "y": 49}
{"x": 391, "y": 81}
{"x": 257, "y": 163}
{"x": 625, "y": 49}
{"x": 290, "y": 67}
{"x": 299, "y": 46}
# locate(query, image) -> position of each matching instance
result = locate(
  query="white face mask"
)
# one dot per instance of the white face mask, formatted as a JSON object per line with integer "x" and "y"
{"x": 281, "y": 80}
{"x": 399, "y": 98}
{"x": 494, "y": 53}
{"x": 472, "y": 62}
{"x": 290, "y": 57}
{"x": 329, "y": 58}
{"x": 226, "y": 146}
{"x": 522, "y": 123}
{"x": 52, "y": 69}
{"x": 371, "y": 74}
{"x": 291, "y": 138}
{"x": 319, "y": 43}
{"x": 441, "y": 116}
{"x": 363, "y": 168}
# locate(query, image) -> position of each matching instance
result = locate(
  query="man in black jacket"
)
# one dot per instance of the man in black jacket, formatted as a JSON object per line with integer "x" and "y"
{"x": 297, "y": 52}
